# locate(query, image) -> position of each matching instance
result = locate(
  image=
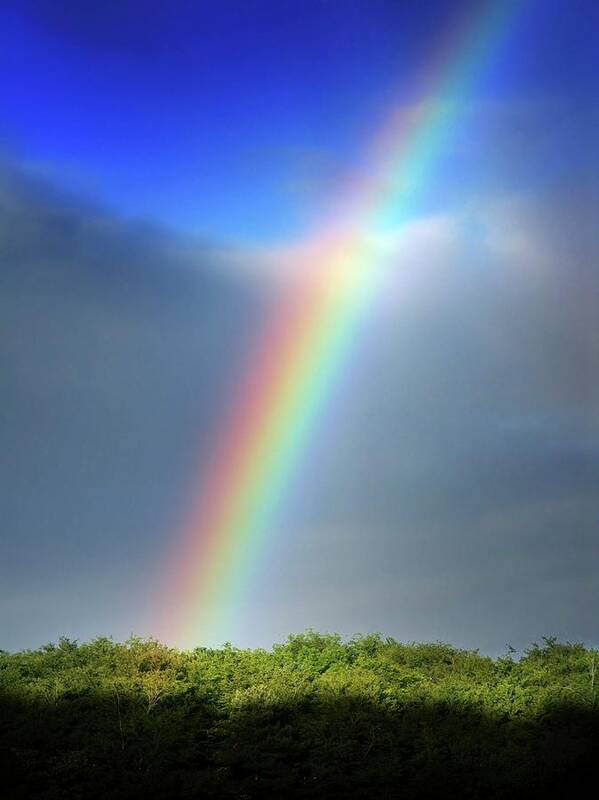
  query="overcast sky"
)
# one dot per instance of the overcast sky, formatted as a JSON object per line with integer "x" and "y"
{"x": 157, "y": 161}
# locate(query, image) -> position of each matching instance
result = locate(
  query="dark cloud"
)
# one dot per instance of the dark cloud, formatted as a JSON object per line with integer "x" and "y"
{"x": 119, "y": 344}
{"x": 452, "y": 489}
{"x": 449, "y": 490}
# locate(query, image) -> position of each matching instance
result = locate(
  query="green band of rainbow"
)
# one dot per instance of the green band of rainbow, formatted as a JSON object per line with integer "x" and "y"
{"x": 303, "y": 349}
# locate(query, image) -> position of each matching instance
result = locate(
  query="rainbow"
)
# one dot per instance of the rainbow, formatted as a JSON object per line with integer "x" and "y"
{"x": 303, "y": 347}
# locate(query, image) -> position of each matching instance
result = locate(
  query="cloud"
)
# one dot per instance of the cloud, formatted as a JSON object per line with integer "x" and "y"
{"x": 448, "y": 490}
{"x": 120, "y": 341}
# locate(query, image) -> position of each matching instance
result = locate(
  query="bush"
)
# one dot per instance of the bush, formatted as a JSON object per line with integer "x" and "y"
{"x": 315, "y": 717}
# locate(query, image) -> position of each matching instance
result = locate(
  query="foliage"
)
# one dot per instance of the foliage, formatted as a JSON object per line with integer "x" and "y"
{"x": 315, "y": 717}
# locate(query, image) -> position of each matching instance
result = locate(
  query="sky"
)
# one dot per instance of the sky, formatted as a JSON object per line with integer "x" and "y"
{"x": 159, "y": 163}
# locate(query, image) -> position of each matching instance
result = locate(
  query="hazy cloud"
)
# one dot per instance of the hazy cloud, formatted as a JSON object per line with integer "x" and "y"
{"x": 452, "y": 483}
{"x": 449, "y": 491}
{"x": 120, "y": 342}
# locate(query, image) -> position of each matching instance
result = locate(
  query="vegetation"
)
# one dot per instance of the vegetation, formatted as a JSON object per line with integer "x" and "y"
{"x": 312, "y": 718}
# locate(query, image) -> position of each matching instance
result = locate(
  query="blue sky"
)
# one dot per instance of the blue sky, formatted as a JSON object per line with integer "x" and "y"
{"x": 240, "y": 120}
{"x": 156, "y": 160}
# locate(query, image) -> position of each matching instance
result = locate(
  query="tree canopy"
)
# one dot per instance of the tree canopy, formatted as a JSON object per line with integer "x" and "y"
{"x": 314, "y": 717}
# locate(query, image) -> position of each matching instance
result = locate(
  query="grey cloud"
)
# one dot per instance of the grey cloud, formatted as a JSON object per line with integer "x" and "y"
{"x": 450, "y": 487}
{"x": 452, "y": 484}
{"x": 120, "y": 341}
